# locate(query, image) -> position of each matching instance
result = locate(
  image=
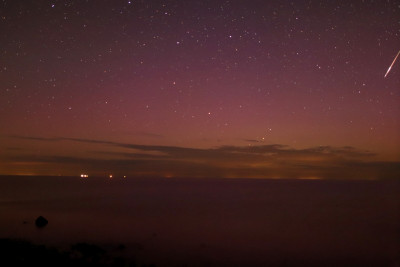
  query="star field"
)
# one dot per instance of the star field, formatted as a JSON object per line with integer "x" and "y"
{"x": 198, "y": 75}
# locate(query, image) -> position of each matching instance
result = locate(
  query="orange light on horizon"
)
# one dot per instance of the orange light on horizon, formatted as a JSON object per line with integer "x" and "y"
{"x": 84, "y": 175}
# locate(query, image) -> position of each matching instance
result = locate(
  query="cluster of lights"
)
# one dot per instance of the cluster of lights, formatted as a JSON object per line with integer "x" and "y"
{"x": 109, "y": 176}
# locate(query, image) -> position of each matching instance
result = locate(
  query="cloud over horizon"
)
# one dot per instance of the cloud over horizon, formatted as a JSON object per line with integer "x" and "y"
{"x": 255, "y": 161}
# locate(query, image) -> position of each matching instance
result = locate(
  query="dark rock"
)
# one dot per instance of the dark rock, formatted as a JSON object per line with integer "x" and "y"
{"x": 121, "y": 247}
{"x": 41, "y": 222}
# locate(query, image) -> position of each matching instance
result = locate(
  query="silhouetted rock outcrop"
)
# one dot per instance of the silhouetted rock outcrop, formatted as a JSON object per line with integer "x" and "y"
{"x": 41, "y": 222}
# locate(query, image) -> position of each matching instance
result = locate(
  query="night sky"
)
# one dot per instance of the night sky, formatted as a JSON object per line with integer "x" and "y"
{"x": 263, "y": 89}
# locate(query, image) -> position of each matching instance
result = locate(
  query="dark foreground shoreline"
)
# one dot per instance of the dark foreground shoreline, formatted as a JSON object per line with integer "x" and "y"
{"x": 18, "y": 252}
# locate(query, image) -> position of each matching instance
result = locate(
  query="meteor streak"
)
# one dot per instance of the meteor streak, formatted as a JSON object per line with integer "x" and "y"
{"x": 387, "y": 72}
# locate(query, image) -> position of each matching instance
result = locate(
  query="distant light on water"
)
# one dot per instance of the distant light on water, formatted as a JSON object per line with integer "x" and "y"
{"x": 84, "y": 175}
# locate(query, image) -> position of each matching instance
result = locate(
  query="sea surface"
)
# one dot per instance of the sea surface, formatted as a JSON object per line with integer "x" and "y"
{"x": 211, "y": 222}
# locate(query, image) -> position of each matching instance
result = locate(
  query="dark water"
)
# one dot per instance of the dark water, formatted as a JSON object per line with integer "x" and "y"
{"x": 172, "y": 222}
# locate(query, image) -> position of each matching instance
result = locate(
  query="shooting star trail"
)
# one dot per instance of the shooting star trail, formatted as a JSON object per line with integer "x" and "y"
{"x": 391, "y": 65}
